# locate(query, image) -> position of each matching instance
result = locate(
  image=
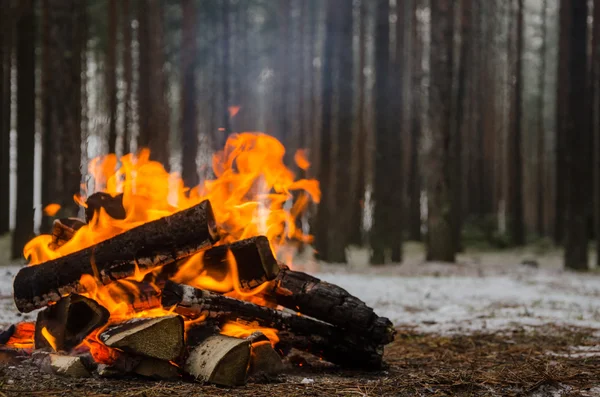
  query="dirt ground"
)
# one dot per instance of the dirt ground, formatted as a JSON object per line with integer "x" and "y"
{"x": 547, "y": 361}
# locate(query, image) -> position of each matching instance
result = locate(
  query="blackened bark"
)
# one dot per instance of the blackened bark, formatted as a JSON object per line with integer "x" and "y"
{"x": 111, "y": 75}
{"x": 578, "y": 142}
{"x": 515, "y": 164}
{"x": 189, "y": 131}
{"x": 322, "y": 228}
{"x": 25, "y": 51}
{"x": 127, "y": 75}
{"x": 440, "y": 239}
{"x": 6, "y": 28}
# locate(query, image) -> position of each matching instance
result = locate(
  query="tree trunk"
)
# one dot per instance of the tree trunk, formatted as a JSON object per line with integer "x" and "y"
{"x": 440, "y": 240}
{"x": 25, "y": 126}
{"x": 515, "y": 205}
{"x": 541, "y": 147}
{"x": 579, "y": 142}
{"x": 345, "y": 96}
{"x": 189, "y": 131}
{"x": 281, "y": 103}
{"x": 225, "y": 72}
{"x": 359, "y": 164}
{"x": 561, "y": 119}
{"x": 6, "y": 28}
{"x": 323, "y": 221}
{"x": 111, "y": 75}
{"x": 596, "y": 121}
{"x": 154, "y": 130}
{"x": 127, "y": 76}
{"x": 414, "y": 173}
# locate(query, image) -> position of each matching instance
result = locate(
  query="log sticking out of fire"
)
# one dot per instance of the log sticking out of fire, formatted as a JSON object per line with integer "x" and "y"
{"x": 144, "y": 248}
{"x": 220, "y": 359}
{"x": 66, "y": 324}
{"x": 69, "y": 366}
{"x": 327, "y": 302}
{"x": 63, "y": 230}
{"x": 333, "y": 344}
{"x": 156, "y": 337}
{"x": 253, "y": 257}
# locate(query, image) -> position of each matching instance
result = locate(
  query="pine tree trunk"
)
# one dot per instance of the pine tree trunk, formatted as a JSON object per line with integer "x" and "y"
{"x": 6, "y": 29}
{"x": 440, "y": 240}
{"x": 414, "y": 173}
{"x": 111, "y": 75}
{"x": 323, "y": 220}
{"x": 579, "y": 142}
{"x": 359, "y": 164}
{"x": 189, "y": 137}
{"x": 515, "y": 205}
{"x": 281, "y": 105}
{"x": 25, "y": 51}
{"x": 144, "y": 82}
{"x": 541, "y": 147}
{"x": 127, "y": 76}
{"x": 225, "y": 72}
{"x": 596, "y": 121}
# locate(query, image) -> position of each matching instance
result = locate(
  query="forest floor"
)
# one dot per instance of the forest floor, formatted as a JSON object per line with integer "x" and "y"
{"x": 487, "y": 325}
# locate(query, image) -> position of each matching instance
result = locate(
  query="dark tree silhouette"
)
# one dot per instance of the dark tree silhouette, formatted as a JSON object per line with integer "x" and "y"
{"x": 25, "y": 50}
{"x": 127, "y": 75}
{"x": 6, "y": 28}
{"x": 111, "y": 75}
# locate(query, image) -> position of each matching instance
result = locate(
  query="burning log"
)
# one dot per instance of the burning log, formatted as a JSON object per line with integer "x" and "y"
{"x": 327, "y": 302}
{"x": 145, "y": 247}
{"x": 63, "y": 230}
{"x": 253, "y": 256}
{"x": 112, "y": 205}
{"x": 66, "y": 324}
{"x": 220, "y": 359}
{"x": 264, "y": 359}
{"x": 6, "y": 334}
{"x": 333, "y": 344}
{"x": 156, "y": 369}
{"x": 69, "y": 366}
{"x": 156, "y": 337}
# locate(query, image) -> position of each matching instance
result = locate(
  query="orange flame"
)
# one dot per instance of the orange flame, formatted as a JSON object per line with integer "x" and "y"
{"x": 22, "y": 338}
{"x": 244, "y": 330}
{"x": 50, "y": 338}
{"x": 51, "y": 209}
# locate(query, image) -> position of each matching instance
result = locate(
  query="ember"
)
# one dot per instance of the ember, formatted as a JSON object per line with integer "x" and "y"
{"x": 151, "y": 265}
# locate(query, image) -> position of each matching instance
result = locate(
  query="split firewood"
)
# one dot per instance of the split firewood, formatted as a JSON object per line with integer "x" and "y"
{"x": 63, "y": 230}
{"x": 69, "y": 366}
{"x": 253, "y": 257}
{"x": 324, "y": 340}
{"x": 264, "y": 359}
{"x": 156, "y": 337}
{"x": 327, "y": 302}
{"x": 220, "y": 359}
{"x": 144, "y": 248}
{"x": 113, "y": 205}
{"x": 66, "y": 324}
{"x": 156, "y": 369}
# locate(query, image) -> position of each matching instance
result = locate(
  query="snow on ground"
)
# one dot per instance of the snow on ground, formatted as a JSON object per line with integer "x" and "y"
{"x": 444, "y": 298}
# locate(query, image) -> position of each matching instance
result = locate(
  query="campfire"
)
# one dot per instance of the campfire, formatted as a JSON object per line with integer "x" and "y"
{"x": 164, "y": 281}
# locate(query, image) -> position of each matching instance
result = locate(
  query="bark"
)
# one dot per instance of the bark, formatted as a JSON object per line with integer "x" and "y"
{"x": 561, "y": 120}
{"x": 579, "y": 142}
{"x": 281, "y": 104}
{"x": 127, "y": 75}
{"x": 323, "y": 220}
{"x": 541, "y": 146}
{"x": 414, "y": 173}
{"x": 329, "y": 342}
{"x": 596, "y": 121}
{"x": 345, "y": 96}
{"x": 6, "y": 28}
{"x": 327, "y": 302}
{"x": 225, "y": 72}
{"x": 25, "y": 50}
{"x": 189, "y": 130}
{"x": 154, "y": 130}
{"x": 145, "y": 247}
{"x": 111, "y": 75}
{"x": 358, "y": 194}
{"x": 515, "y": 171}
{"x": 440, "y": 239}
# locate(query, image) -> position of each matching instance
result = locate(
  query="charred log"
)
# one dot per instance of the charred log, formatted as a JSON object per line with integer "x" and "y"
{"x": 112, "y": 205}
{"x": 327, "y": 302}
{"x": 66, "y": 324}
{"x": 329, "y": 342}
{"x": 63, "y": 230}
{"x": 145, "y": 247}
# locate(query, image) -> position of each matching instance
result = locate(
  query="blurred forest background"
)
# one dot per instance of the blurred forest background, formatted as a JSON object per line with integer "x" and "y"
{"x": 448, "y": 122}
